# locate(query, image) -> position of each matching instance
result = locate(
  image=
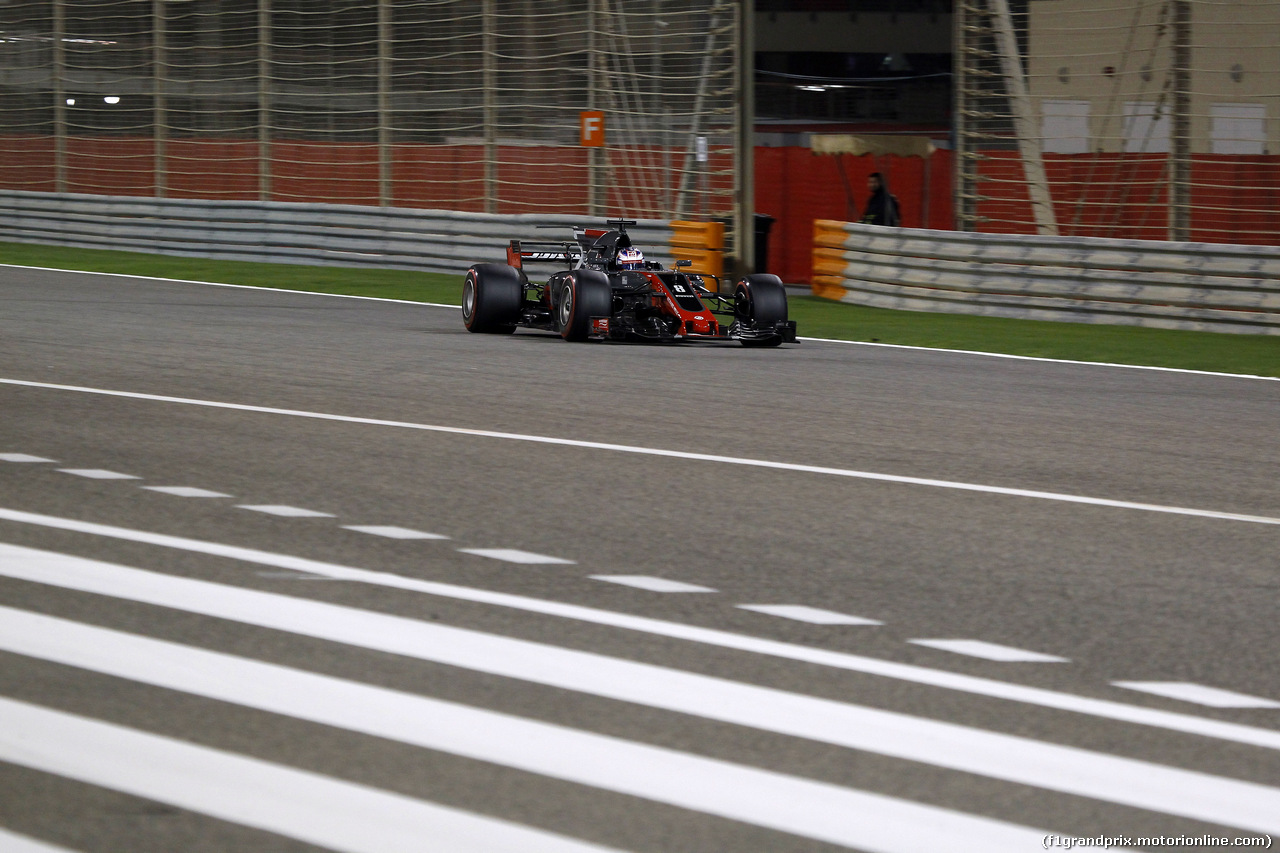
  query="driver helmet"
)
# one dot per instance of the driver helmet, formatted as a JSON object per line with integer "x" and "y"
{"x": 630, "y": 259}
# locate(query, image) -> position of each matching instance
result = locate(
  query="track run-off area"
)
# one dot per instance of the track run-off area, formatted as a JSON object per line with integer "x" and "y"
{"x": 285, "y": 572}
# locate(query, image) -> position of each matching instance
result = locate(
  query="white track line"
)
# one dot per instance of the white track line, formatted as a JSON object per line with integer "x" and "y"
{"x": 1200, "y": 726}
{"x": 670, "y": 454}
{"x": 1212, "y": 697}
{"x": 512, "y": 555}
{"x": 333, "y": 814}
{"x": 811, "y": 340}
{"x": 22, "y": 457}
{"x": 736, "y": 792}
{"x": 1009, "y": 758}
{"x": 284, "y": 511}
{"x": 186, "y": 492}
{"x": 1043, "y": 359}
{"x": 252, "y": 287}
{"x": 98, "y": 474}
{"x": 651, "y": 584}
{"x": 989, "y": 651}
{"x": 812, "y": 615}
{"x": 390, "y": 531}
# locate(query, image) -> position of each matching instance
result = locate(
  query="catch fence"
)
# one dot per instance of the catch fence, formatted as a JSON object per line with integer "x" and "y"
{"x": 1146, "y": 119}
{"x": 467, "y": 105}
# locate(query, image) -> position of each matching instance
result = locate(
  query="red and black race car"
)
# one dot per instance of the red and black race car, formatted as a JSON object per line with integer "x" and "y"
{"x": 608, "y": 291}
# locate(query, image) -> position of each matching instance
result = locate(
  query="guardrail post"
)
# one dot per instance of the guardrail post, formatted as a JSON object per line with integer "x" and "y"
{"x": 159, "y": 166}
{"x": 1180, "y": 151}
{"x": 964, "y": 182}
{"x": 264, "y": 100}
{"x": 744, "y": 219}
{"x": 385, "y": 188}
{"x": 489, "y": 81}
{"x": 594, "y": 153}
{"x": 59, "y": 74}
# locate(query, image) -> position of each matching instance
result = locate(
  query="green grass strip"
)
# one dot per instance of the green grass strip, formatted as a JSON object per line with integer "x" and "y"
{"x": 818, "y": 318}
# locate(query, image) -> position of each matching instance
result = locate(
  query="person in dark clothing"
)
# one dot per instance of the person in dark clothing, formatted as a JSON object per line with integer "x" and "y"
{"x": 882, "y": 207}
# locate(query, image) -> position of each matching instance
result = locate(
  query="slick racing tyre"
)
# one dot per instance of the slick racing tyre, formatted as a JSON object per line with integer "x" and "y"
{"x": 760, "y": 302}
{"x": 492, "y": 296}
{"x": 581, "y": 296}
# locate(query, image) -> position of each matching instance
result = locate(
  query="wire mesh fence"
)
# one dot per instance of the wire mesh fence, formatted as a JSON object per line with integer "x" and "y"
{"x": 471, "y": 105}
{"x": 1147, "y": 119}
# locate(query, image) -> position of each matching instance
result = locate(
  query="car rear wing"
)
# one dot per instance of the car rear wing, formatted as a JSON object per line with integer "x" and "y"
{"x": 566, "y": 253}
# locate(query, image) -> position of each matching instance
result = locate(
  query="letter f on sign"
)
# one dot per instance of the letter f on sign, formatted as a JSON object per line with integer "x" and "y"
{"x": 591, "y": 128}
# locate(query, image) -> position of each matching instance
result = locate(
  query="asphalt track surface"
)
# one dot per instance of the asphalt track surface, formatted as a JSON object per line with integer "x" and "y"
{"x": 184, "y": 671}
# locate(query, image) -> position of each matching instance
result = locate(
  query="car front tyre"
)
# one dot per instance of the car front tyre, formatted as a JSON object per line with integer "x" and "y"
{"x": 760, "y": 302}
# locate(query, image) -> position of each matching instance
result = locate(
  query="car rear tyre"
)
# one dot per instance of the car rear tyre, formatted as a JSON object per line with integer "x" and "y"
{"x": 760, "y": 302}
{"x": 581, "y": 296}
{"x": 492, "y": 296}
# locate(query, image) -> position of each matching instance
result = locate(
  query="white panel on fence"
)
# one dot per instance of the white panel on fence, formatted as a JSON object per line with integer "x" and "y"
{"x": 1238, "y": 128}
{"x": 1065, "y": 126}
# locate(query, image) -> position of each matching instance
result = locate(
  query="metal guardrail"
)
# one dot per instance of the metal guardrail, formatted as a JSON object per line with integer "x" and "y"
{"x": 1194, "y": 286}
{"x": 282, "y": 232}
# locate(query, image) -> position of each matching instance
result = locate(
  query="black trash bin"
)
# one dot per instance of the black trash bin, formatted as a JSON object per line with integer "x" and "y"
{"x": 763, "y": 223}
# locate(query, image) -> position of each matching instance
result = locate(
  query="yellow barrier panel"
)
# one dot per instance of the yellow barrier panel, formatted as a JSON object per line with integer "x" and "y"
{"x": 698, "y": 235}
{"x": 829, "y": 233}
{"x": 705, "y": 261}
{"x": 828, "y": 259}
{"x": 828, "y": 265}
{"x": 828, "y": 286}
{"x": 699, "y": 242}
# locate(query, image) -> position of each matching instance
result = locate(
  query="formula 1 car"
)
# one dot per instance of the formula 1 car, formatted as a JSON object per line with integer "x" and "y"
{"x": 608, "y": 291}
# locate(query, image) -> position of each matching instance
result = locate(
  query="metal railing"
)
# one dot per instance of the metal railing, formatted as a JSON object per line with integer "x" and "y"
{"x": 285, "y": 232}
{"x": 1194, "y": 286}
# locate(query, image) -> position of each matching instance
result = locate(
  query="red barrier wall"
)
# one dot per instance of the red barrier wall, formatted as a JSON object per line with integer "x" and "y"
{"x": 1234, "y": 199}
{"x": 212, "y": 169}
{"x": 26, "y": 163}
{"x": 796, "y": 186}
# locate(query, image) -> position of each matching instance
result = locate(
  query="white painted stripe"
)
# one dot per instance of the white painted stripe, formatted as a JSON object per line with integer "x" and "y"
{"x": 760, "y": 797}
{"x": 813, "y": 615}
{"x": 1041, "y": 358}
{"x": 11, "y": 842}
{"x": 992, "y": 688}
{"x": 98, "y": 474}
{"x": 285, "y": 511}
{"x": 511, "y": 555}
{"x": 390, "y": 531}
{"x": 989, "y": 651}
{"x": 251, "y": 287}
{"x": 1009, "y": 758}
{"x": 338, "y": 815}
{"x": 1213, "y": 697}
{"x": 294, "y": 576}
{"x": 674, "y": 454}
{"x": 813, "y": 340}
{"x": 186, "y": 492}
{"x": 23, "y": 457}
{"x": 651, "y": 584}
